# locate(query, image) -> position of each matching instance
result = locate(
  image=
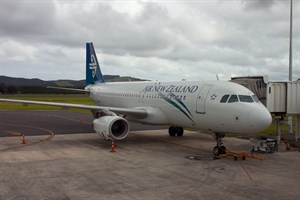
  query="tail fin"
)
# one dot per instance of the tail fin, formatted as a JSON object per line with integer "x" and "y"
{"x": 93, "y": 72}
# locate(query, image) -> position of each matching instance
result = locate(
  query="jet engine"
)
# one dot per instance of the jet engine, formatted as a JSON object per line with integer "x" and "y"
{"x": 111, "y": 127}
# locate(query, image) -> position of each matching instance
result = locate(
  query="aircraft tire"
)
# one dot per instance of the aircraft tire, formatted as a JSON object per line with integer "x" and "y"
{"x": 179, "y": 131}
{"x": 216, "y": 151}
{"x": 172, "y": 131}
{"x": 219, "y": 150}
{"x": 222, "y": 150}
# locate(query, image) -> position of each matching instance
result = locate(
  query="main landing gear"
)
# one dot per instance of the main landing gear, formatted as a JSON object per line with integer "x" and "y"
{"x": 219, "y": 149}
{"x": 173, "y": 131}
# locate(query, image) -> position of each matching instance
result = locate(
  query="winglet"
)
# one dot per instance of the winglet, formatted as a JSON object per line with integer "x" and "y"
{"x": 93, "y": 72}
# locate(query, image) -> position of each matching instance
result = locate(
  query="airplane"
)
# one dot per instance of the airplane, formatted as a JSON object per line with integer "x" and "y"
{"x": 216, "y": 106}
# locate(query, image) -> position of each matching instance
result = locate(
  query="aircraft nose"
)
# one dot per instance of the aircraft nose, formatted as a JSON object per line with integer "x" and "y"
{"x": 259, "y": 119}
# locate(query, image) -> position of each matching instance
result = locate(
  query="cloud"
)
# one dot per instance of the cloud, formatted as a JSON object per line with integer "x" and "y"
{"x": 153, "y": 40}
{"x": 17, "y": 52}
{"x": 29, "y": 19}
{"x": 258, "y": 4}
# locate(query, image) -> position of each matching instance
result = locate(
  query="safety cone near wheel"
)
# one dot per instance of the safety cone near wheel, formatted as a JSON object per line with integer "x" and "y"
{"x": 112, "y": 147}
{"x": 81, "y": 120}
{"x": 23, "y": 139}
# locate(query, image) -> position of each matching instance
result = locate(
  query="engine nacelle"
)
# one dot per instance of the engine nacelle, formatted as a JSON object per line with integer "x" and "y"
{"x": 111, "y": 127}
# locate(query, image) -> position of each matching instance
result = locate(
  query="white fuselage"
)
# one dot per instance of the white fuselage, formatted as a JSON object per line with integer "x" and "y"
{"x": 193, "y": 104}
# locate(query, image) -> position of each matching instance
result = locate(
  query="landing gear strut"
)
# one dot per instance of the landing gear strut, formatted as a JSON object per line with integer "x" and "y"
{"x": 173, "y": 131}
{"x": 219, "y": 149}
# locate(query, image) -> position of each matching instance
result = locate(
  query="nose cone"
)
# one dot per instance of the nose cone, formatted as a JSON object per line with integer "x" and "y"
{"x": 259, "y": 119}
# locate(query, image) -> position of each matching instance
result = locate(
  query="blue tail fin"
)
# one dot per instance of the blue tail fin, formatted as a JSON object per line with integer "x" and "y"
{"x": 93, "y": 72}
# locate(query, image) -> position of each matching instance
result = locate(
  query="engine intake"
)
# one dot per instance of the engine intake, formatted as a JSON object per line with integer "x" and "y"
{"x": 111, "y": 127}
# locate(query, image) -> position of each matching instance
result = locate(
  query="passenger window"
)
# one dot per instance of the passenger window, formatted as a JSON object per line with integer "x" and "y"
{"x": 255, "y": 98}
{"x": 224, "y": 98}
{"x": 233, "y": 98}
{"x": 246, "y": 98}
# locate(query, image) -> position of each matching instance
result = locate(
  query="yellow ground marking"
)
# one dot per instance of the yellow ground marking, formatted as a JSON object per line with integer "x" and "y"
{"x": 15, "y": 133}
{"x": 67, "y": 118}
{"x": 51, "y": 135}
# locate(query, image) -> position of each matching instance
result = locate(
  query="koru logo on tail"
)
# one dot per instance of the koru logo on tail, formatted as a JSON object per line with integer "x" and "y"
{"x": 93, "y": 65}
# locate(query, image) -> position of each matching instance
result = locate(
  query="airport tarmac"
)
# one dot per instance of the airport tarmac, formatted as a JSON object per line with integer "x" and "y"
{"x": 29, "y": 123}
{"x": 146, "y": 165}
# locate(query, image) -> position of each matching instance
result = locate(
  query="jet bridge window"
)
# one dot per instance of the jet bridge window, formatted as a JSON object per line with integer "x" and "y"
{"x": 246, "y": 98}
{"x": 233, "y": 98}
{"x": 224, "y": 98}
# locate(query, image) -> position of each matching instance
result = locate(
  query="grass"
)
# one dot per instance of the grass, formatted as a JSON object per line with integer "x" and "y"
{"x": 271, "y": 130}
{"x": 284, "y": 128}
{"x": 63, "y": 98}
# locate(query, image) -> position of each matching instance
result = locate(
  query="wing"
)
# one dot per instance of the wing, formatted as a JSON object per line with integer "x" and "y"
{"x": 70, "y": 89}
{"x": 134, "y": 112}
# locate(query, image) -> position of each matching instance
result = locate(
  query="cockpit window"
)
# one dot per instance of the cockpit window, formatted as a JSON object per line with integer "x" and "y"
{"x": 224, "y": 98}
{"x": 246, "y": 98}
{"x": 233, "y": 98}
{"x": 255, "y": 98}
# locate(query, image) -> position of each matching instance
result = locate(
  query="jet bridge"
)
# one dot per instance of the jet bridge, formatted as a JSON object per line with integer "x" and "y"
{"x": 280, "y": 98}
{"x": 284, "y": 98}
{"x": 257, "y": 84}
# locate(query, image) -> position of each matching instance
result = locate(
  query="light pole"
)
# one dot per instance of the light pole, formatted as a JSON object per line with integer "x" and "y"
{"x": 290, "y": 118}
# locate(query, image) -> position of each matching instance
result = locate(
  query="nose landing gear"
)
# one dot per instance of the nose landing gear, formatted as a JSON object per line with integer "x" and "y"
{"x": 219, "y": 148}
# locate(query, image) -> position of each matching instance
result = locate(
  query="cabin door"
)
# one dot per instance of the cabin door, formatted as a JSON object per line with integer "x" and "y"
{"x": 202, "y": 98}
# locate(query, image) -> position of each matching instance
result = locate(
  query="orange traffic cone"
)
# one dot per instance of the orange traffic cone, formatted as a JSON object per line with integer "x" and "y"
{"x": 23, "y": 139}
{"x": 81, "y": 120}
{"x": 112, "y": 147}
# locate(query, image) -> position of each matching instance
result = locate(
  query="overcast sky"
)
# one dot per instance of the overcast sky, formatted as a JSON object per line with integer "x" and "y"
{"x": 156, "y": 40}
